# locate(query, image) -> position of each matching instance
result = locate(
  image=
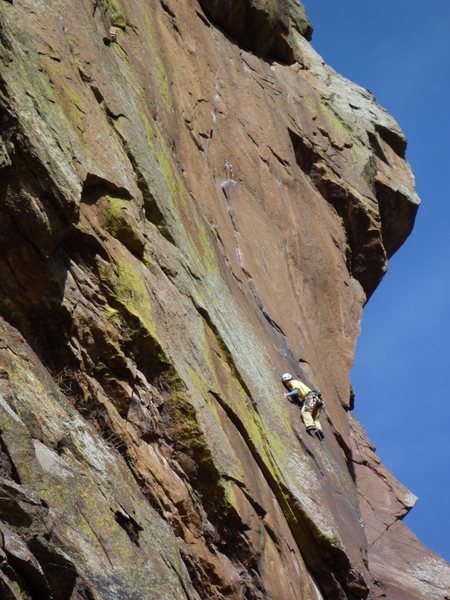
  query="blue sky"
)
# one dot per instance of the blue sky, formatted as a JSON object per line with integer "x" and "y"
{"x": 400, "y": 50}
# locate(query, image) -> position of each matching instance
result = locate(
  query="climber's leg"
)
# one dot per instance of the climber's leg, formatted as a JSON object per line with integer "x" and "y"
{"x": 307, "y": 417}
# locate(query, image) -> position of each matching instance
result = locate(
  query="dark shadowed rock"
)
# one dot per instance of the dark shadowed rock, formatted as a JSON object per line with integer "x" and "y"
{"x": 263, "y": 26}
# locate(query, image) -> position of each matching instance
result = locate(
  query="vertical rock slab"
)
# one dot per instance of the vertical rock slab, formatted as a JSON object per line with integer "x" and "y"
{"x": 191, "y": 203}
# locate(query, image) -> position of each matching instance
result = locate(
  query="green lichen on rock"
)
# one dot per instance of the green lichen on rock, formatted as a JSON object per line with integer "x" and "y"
{"x": 125, "y": 283}
{"x": 198, "y": 246}
{"x": 117, "y": 18}
{"x": 119, "y": 223}
{"x": 236, "y": 403}
{"x": 113, "y": 221}
{"x": 299, "y": 20}
{"x": 369, "y": 171}
{"x": 157, "y": 65}
{"x": 131, "y": 290}
{"x": 163, "y": 83}
{"x": 113, "y": 316}
{"x": 337, "y": 130}
{"x": 55, "y": 92}
{"x": 190, "y": 440}
{"x": 87, "y": 483}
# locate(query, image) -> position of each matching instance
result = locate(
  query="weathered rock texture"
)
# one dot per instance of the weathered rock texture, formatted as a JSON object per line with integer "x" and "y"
{"x": 191, "y": 202}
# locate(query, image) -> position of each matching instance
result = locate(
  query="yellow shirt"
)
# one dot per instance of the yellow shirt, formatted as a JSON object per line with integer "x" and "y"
{"x": 303, "y": 390}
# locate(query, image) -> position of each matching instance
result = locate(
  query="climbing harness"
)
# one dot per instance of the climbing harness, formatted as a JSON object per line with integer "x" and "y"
{"x": 313, "y": 400}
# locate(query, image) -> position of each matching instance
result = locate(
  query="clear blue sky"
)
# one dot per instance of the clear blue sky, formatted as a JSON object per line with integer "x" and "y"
{"x": 400, "y": 50}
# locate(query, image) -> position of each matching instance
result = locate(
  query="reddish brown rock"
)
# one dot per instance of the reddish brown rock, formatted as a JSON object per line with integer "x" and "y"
{"x": 404, "y": 568}
{"x": 181, "y": 221}
{"x": 401, "y": 566}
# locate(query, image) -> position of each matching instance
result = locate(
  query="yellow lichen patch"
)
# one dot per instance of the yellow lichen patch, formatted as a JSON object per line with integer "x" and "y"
{"x": 337, "y": 130}
{"x": 115, "y": 13}
{"x": 229, "y": 495}
{"x": 199, "y": 246}
{"x": 160, "y": 74}
{"x": 202, "y": 386}
{"x": 71, "y": 103}
{"x": 53, "y": 96}
{"x": 132, "y": 291}
{"x": 202, "y": 246}
{"x": 65, "y": 92}
{"x": 148, "y": 260}
{"x": 114, "y": 216}
{"x": 235, "y": 401}
{"x": 118, "y": 222}
{"x": 163, "y": 83}
{"x": 310, "y": 103}
{"x": 27, "y": 382}
{"x": 126, "y": 282}
{"x": 190, "y": 438}
{"x": 113, "y": 316}
{"x": 163, "y": 157}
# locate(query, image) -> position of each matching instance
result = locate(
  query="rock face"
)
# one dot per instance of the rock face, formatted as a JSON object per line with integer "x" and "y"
{"x": 191, "y": 204}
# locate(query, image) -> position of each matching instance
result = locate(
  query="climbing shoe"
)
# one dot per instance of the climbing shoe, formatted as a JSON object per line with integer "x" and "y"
{"x": 319, "y": 435}
{"x": 311, "y": 430}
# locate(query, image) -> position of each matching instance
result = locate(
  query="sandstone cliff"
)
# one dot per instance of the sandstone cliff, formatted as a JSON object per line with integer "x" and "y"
{"x": 191, "y": 203}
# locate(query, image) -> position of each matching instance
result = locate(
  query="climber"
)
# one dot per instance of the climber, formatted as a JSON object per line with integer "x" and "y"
{"x": 310, "y": 401}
